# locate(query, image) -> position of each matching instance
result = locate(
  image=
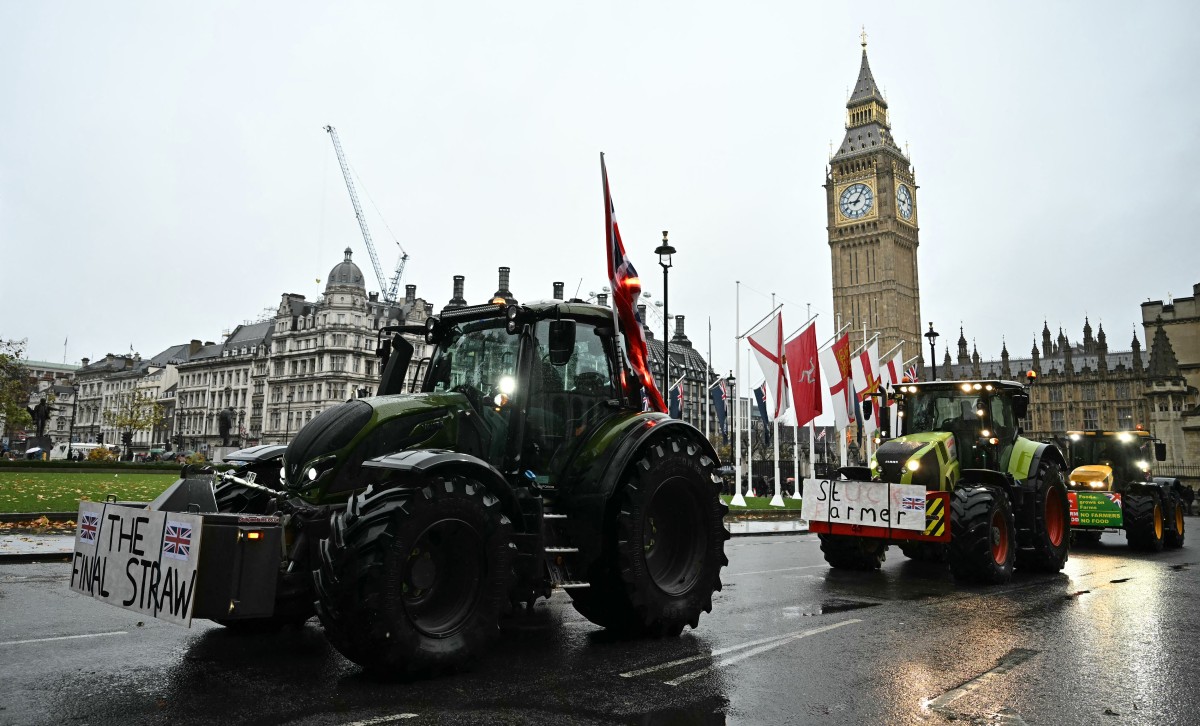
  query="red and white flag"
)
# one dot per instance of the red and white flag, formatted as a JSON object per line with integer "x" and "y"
{"x": 865, "y": 369}
{"x": 804, "y": 374}
{"x": 626, "y": 289}
{"x": 835, "y": 362}
{"x": 767, "y": 344}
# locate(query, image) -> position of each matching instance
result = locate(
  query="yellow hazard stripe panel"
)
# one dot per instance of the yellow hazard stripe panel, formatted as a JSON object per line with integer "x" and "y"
{"x": 935, "y": 517}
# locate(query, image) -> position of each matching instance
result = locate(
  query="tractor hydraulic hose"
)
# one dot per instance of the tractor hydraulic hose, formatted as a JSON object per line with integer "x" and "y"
{"x": 226, "y": 476}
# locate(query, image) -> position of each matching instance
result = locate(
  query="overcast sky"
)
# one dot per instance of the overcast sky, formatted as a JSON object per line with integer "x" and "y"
{"x": 164, "y": 174}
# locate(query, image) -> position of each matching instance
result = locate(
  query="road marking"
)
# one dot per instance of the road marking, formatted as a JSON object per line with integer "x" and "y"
{"x": 1012, "y": 659}
{"x": 767, "y": 572}
{"x": 381, "y": 719}
{"x": 64, "y": 637}
{"x": 702, "y": 656}
{"x": 757, "y": 651}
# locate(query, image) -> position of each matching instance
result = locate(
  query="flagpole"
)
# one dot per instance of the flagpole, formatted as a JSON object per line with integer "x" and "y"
{"x": 708, "y": 385}
{"x": 775, "y": 309}
{"x": 750, "y": 406}
{"x": 796, "y": 455}
{"x": 737, "y": 500}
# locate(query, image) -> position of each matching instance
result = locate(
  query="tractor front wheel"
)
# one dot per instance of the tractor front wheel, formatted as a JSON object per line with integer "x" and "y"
{"x": 413, "y": 580}
{"x": 1048, "y": 519}
{"x": 983, "y": 535}
{"x": 662, "y": 562}
{"x": 1173, "y": 536}
{"x": 1144, "y": 522}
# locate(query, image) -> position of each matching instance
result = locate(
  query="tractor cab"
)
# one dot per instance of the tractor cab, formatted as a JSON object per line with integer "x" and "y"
{"x": 1109, "y": 460}
{"x": 981, "y": 417}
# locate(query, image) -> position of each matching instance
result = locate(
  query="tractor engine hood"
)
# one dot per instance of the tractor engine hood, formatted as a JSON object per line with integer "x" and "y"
{"x": 1093, "y": 477}
{"x": 327, "y": 454}
{"x": 912, "y": 459}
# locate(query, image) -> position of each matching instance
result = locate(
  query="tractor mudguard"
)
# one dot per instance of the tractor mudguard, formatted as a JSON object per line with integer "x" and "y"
{"x": 438, "y": 462}
{"x": 1028, "y": 455}
{"x": 996, "y": 479}
{"x": 590, "y": 482}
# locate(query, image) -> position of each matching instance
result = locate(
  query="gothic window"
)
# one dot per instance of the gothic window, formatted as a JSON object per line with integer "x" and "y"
{"x": 1057, "y": 421}
{"x": 1090, "y": 419}
{"x": 1089, "y": 392}
{"x": 1125, "y": 419}
{"x": 1056, "y": 395}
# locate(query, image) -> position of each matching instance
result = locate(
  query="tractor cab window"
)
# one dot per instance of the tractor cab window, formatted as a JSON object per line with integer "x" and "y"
{"x": 476, "y": 359}
{"x": 963, "y": 414}
{"x": 564, "y": 402}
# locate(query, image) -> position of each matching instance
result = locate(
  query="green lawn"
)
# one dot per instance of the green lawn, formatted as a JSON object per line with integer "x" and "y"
{"x": 764, "y": 503}
{"x": 26, "y": 491}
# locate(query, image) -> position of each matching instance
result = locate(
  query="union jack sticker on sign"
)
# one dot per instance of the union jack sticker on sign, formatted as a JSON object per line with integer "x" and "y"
{"x": 913, "y": 504}
{"x": 177, "y": 541}
{"x": 89, "y": 527}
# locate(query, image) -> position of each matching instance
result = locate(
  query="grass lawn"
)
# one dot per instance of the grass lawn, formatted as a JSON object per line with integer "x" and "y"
{"x": 764, "y": 503}
{"x": 26, "y": 491}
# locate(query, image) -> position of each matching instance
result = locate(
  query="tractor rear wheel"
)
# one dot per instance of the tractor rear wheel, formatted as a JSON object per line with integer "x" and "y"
{"x": 853, "y": 553}
{"x": 924, "y": 551}
{"x": 662, "y": 561}
{"x": 1173, "y": 536}
{"x": 1144, "y": 522}
{"x": 983, "y": 540}
{"x": 1048, "y": 519}
{"x": 413, "y": 580}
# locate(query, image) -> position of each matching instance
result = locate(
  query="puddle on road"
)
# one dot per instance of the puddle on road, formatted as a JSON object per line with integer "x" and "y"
{"x": 1183, "y": 566}
{"x": 1123, "y": 579}
{"x": 1075, "y": 594}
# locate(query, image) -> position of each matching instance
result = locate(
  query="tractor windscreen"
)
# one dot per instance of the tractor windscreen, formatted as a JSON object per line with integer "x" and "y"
{"x": 1127, "y": 454}
{"x": 477, "y": 359}
{"x": 972, "y": 416}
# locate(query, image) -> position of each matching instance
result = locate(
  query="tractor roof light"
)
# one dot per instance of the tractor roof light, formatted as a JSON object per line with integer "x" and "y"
{"x": 966, "y": 387}
{"x": 431, "y": 330}
{"x": 511, "y": 315}
{"x": 1125, "y": 437}
{"x": 978, "y": 387}
{"x": 1143, "y": 465}
{"x": 988, "y": 387}
{"x": 985, "y": 434}
{"x": 1074, "y": 437}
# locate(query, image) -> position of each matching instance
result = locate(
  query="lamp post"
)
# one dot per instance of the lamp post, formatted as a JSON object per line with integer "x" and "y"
{"x": 287, "y": 436}
{"x": 664, "y": 252}
{"x": 74, "y": 408}
{"x": 730, "y": 410}
{"x": 932, "y": 335}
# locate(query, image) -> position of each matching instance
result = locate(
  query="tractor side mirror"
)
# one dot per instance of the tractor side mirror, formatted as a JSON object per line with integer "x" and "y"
{"x": 1020, "y": 404}
{"x": 1160, "y": 451}
{"x": 562, "y": 341}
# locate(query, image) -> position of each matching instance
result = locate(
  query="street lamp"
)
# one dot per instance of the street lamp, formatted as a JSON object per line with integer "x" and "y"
{"x": 287, "y": 436}
{"x": 932, "y": 335}
{"x": 74, "y": 408}
{"x": 730, "y": 410}
{"x": 664, "y": 252}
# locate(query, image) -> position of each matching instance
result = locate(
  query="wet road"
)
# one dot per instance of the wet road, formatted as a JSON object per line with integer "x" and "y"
{"x": 1110, "y": 640}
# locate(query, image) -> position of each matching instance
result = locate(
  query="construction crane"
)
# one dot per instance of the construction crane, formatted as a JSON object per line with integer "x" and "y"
{"x": 389, "y": 289}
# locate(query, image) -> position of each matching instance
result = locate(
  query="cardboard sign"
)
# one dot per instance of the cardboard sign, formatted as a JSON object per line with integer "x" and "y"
{"x": 137, "y": 559}
{"x": 867, "y": 503}
{"x": 1096, "y": 509}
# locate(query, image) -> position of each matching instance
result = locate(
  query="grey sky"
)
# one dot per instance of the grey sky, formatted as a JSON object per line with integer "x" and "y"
{"x": 164, "y": 174}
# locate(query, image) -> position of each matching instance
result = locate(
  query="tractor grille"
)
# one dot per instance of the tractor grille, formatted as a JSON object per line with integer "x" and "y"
{"x": 893, "y": 455}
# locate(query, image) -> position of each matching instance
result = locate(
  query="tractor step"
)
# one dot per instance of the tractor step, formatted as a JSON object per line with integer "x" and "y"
{"x": 561, "y": 550}
{"x": 572, "y": 585}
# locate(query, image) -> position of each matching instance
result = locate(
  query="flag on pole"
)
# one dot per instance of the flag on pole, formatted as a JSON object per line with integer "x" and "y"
{"x": 676, "y": 396}
{"x": 911, "y": 373}
{"x": 835, "y": 362}
{"x": 865, "y": 370}
{"x": 719, "y": 396}
{"x": 804, "y": 374}
{"x": 626, "y": 289}
{"x": 767, "y": 344}
{"x": 821, "y": 436}
{"x": 760, "y": 397}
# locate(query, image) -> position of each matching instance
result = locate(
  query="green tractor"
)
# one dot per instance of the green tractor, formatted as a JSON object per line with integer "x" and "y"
{"x": 959, "y": 484}
{"x": 1112, "y": 488}
{"x": 522, "y": 464}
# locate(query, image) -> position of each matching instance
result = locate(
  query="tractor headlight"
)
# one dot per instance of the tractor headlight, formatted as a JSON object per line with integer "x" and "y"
{"x": 312, "y": 474}
{"x": 913, "y": 465}
{"x": 282, "y": 469}
{"x": 985, "y": 434}
{"x": 1096, "y": 484}
{"x": 1124, "y": 438}
{"x": 1143, "y": 465}
{"x": 508, "y": 384}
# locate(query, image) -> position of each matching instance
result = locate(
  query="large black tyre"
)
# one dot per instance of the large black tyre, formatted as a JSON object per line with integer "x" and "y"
{"x": 1047, "y": 520}
{"x": 1144, "y": 522}
{"x": 664, "y": 550}
{"x": 853, "y": 553}
{"x": 983, "y": 535}
{"x": 924, "y": 551}
{"x": 414, "y": 582}
{"x": 1173, "y": 535}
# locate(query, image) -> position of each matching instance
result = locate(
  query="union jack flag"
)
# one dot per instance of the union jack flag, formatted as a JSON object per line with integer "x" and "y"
{"x": 913, "y": 504}
{"x": 89, "y": 527}
{"x": 821, "y": 436}
{"x": 911, "y": 373}
{"x": 177, "y": 541}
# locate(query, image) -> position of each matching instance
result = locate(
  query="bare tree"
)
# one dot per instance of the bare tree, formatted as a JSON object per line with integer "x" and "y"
{"x": 15, "y": 386}
{"x": 133, "y": 411}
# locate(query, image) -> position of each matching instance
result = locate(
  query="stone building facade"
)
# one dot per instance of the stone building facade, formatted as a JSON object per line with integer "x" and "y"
{"x": 872, "y": 224}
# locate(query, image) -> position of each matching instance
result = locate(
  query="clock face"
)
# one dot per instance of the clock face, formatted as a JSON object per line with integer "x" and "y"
{"x": 856, "y": 201}
{"x": 904, "y": 201}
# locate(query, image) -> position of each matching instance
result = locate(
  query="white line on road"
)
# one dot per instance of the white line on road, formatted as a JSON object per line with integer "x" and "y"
{"x": 767, "y": 572}
{"x": 65, "y": 637}
{"x": 757, "y": 651}
{"x": 381, "y": 719}
{"x": 1013, "y": 659}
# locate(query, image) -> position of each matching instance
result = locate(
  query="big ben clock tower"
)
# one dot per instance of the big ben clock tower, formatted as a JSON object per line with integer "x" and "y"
{"x": 871, "y": 202}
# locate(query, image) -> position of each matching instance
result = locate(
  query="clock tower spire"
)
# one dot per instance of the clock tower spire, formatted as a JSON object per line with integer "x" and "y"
{"x": 871, "y": 206}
